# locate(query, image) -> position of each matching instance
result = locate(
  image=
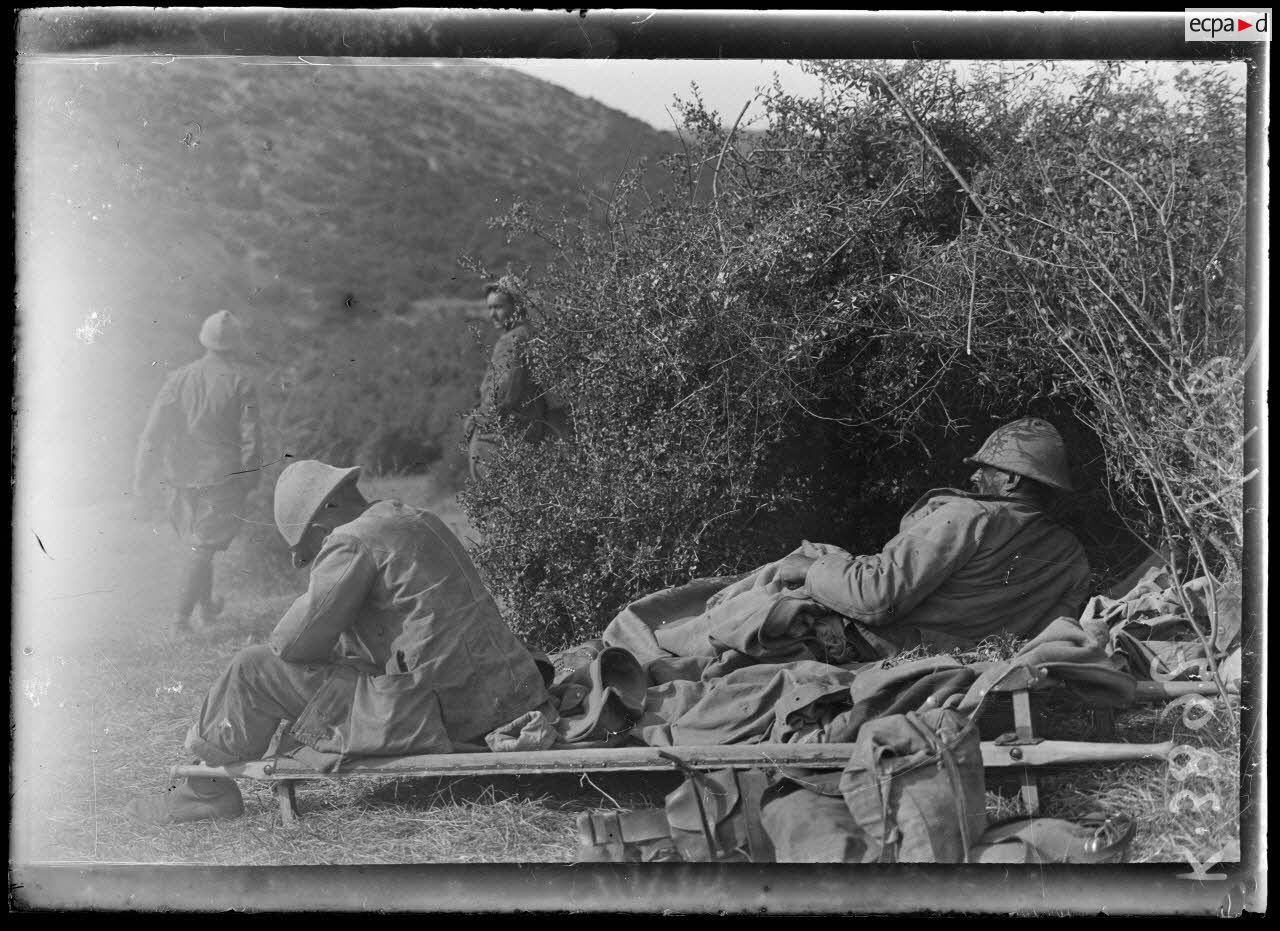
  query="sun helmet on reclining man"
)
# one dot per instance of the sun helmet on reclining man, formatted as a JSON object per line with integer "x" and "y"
{"x": 1030, "y": 447}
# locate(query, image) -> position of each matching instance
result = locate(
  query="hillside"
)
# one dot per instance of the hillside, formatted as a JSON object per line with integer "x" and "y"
{"x": 305, "y": 197}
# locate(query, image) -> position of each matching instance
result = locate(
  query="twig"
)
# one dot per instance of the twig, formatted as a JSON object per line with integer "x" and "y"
{"x": 587, "y": 777}
{"x": 1215, "y": 497}
{"x": 715, "y": 175}
{"x": 973, "y": 286}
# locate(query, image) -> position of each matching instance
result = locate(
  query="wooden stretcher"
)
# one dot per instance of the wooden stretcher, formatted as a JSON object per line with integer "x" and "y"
{"x": 1019, "y": 750}
{"x": 285, "y": 777}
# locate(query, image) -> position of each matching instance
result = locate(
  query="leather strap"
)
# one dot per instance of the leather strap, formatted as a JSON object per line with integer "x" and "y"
{"x": 751, "y": 787}
{"x": 694, "y": 780}
{"x": 883, "y": 783}
{"x": 631, "y": 827}
{"x": 600, "y": 834}
{"x": 948, "y": 761}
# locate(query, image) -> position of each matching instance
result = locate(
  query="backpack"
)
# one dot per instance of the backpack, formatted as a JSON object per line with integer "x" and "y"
{"x": 915, "y": 788}
{"x": 913, "y": 791}
{"x": 711, "y": 816}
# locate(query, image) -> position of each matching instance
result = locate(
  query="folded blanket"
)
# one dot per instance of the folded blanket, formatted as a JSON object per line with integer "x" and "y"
{"x": 1156, "y": 608}
{"x": 762, "y": 703}
{"x": 758, "y": 623}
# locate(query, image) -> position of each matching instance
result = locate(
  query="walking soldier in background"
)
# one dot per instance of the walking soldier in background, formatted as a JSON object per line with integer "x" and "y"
{"x": 203, "y": 444}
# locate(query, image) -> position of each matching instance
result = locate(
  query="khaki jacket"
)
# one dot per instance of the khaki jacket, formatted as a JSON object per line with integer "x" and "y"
{"x": 963, "y": 565}
{"x": 508, "y": 386}
{"x": 423, "y": 656}
{"x": 204, "y": 427}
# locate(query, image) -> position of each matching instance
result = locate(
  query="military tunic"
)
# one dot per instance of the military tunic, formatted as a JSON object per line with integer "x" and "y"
{"x": 507, "y": 389}
{"x": 203, "y": 439}
{"x": 396, "y": 648}
{"x": 963, "y": 567}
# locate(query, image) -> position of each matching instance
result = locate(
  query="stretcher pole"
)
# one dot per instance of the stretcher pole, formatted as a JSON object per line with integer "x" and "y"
{"x": 648, "y": 759}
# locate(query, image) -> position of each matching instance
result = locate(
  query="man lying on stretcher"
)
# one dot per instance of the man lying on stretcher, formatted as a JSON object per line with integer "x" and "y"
{"x": 963, "y": 565}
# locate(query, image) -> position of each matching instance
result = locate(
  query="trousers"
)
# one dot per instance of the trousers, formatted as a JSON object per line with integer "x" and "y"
{"x": 209, "y": 516}
{"x": 248, "y": 701}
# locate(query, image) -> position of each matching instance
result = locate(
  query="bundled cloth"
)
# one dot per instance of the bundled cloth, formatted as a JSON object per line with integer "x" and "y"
{"x": 711, "y": 627}
{"x": 605, "y": 696}
{"x": 1165, "y": 631}
{"x": 747, "y": 661}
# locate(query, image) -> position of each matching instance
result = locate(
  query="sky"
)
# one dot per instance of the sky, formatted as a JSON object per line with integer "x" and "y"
{"x": 644, "y": 88}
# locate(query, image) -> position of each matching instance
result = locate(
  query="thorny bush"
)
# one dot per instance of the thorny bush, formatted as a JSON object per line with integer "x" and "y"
{"x": 816, "y": 322}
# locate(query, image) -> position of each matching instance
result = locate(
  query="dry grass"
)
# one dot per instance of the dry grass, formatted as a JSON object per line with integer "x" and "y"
{"x": 992, "y": 649}
{"x": 104, "y": 698}
{"x": 1169, "y": 825}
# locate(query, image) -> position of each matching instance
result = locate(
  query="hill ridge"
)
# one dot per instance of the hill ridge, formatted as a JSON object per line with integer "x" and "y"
{"x": 152, "y": 192}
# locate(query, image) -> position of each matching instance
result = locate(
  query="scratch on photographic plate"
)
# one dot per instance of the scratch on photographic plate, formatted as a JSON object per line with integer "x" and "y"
{"x": 93, "y": 763}
{"x": 96, "y": 591}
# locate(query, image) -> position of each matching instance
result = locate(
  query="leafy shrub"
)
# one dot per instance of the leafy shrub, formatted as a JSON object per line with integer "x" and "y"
{"x": 385, "y": 391}
{"x": 394, "y": 451}
{"x": 818, "y": 323}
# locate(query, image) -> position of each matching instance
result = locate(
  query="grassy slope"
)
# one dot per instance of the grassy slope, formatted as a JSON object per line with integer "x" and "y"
{"x": 305, "y": 199}
{"x": 104, "y": 698}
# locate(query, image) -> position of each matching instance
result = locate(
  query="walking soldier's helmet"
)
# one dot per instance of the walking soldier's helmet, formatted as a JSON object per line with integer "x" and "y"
{"x": 302, "y": 490}
{"x": 1030, "y": 447}
{"x": 222, "y": 331}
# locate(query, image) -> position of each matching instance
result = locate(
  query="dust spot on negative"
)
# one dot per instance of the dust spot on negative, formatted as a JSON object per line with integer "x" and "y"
{"x": 94, "y": 325}
{"x": 36, "y": 689}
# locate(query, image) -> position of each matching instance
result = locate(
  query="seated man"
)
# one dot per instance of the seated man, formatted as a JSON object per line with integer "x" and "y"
{"x": 396, "y": 648}
{"x": 964, "y": 566}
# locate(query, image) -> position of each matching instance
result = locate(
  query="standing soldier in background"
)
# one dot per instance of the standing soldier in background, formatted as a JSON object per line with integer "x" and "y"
{"x": 508, "y": 388}
{"x": 203, "y": 441}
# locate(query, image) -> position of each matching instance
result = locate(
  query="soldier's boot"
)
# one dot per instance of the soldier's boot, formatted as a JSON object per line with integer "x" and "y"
{"x": 197, "y": 583}
{"x": 210, "y": 611}
{"x": 196, "y": 798}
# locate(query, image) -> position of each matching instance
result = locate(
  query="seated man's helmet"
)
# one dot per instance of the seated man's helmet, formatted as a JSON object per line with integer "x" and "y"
{"x": 222, "y": 331}
{"x": 1031, "y": 447}
{"x": 301, "y": 491}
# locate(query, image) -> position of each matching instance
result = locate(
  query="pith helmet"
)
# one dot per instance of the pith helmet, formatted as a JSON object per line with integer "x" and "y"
{"x": 1030, "y": 447}
{"x": 301, "y": 490}
{"x": 222, "y": 331}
